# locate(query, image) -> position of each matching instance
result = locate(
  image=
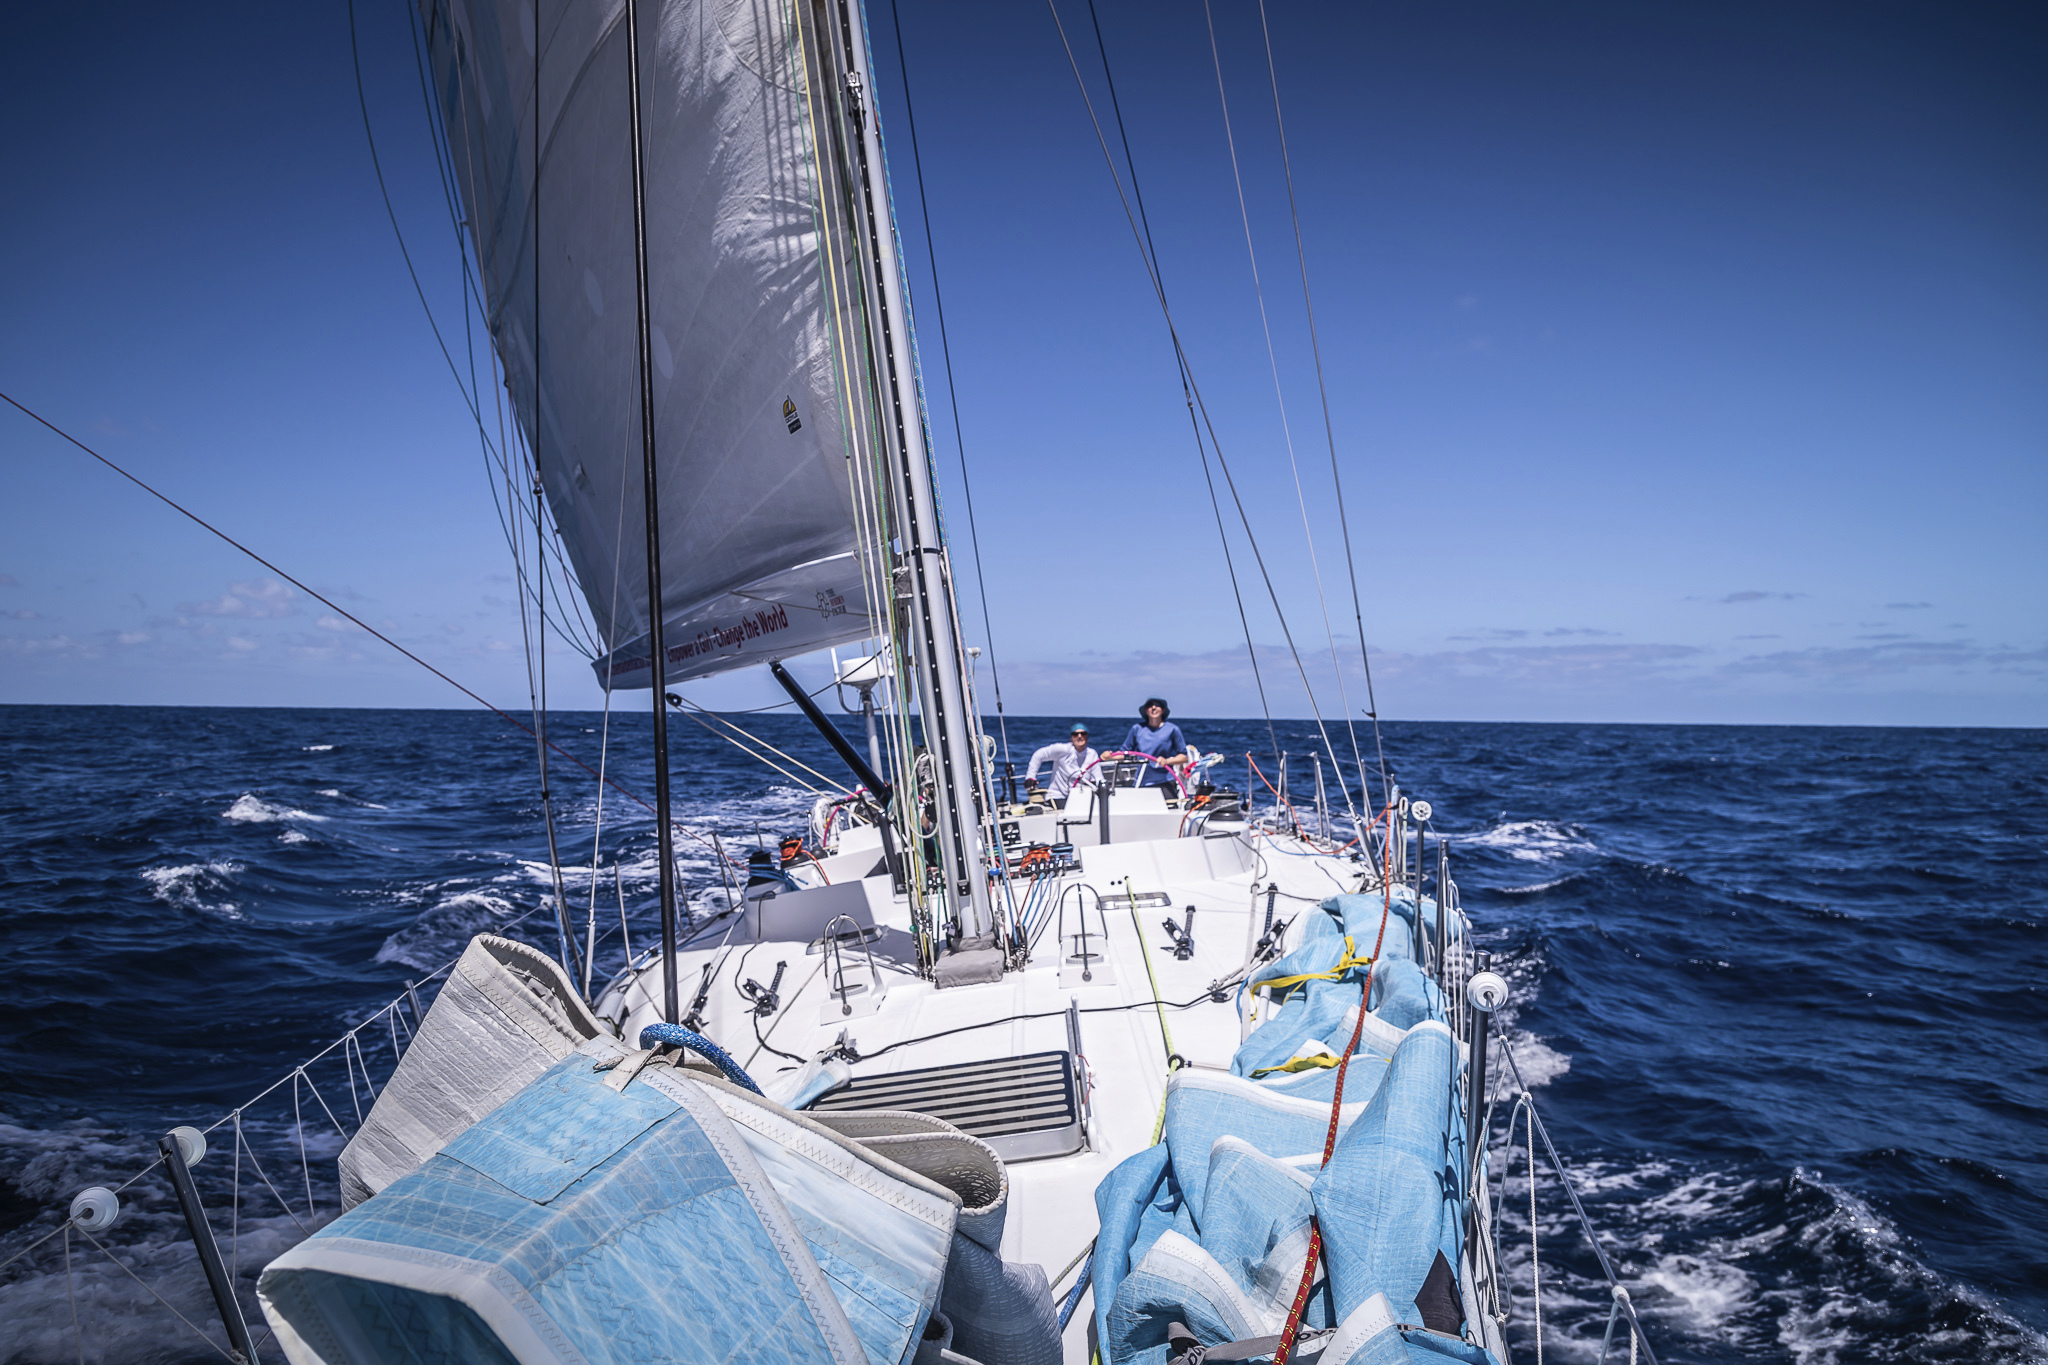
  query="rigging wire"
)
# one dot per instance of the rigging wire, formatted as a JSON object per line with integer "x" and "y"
{"x": 1329, "y": 431}
{"x": 1151, "y": 254}
{"x": 474, "y": 299}
{"x": 1159, "y": 292}
{"x": 338, "y": 609}
{"x": 1286, "y": 427}
{"x": 700, "y": 716}
{"x": 952, "y": 396}
{"x": 469, "y": 397}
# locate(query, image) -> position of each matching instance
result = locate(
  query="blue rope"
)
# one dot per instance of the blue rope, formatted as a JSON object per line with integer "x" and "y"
{"x": 1074, "y": 1294}
{"x": 675, "y": 1035}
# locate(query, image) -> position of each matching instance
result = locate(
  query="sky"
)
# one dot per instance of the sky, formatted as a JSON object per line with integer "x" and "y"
{"x": 1684, "y": 363}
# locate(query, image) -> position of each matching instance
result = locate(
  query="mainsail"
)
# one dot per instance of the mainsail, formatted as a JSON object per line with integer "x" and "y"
{"x": 762, "y": 550}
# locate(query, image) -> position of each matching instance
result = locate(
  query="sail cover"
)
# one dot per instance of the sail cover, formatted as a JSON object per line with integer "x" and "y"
{"x": 759, "y": 549}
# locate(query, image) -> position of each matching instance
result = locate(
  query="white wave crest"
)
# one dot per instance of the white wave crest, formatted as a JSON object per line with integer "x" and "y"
{"x": 121, "y": 1321}
{"x": 195, "y": 886}
{"x": 1532, "y": 889}
{"x": 293, "y": 836}
{"x": 249, "y": 809}
{"x": 439, "y": 933}
{"x": 1529, "y": 841}
{"x": 318, "y": 748}
{"x": 1536, "y": 1062}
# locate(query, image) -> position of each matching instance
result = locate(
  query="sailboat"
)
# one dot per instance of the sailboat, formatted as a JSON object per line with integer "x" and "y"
{"x": 958, "y": 1060}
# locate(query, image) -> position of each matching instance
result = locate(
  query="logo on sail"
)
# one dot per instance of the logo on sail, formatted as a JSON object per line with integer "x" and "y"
{"x": 831, "y": 603}
{"x": 789, "y": 415}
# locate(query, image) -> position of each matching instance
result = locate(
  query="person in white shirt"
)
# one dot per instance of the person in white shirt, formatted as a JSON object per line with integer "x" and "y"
{"x": 1068, "y": 762}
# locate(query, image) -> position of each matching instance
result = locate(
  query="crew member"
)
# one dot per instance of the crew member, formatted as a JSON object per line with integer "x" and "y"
{"x": 1161, "y": 738}
{"x": 1068, "y": 761}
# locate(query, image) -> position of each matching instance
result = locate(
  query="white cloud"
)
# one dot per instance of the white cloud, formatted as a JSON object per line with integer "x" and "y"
{"x": 242, "y": 643}
{"x": 132, "y": 637}
{"x": 22, "y": 614}
{"x": 266, "y": 600}
{"x": 331, "y": 623}
{"x": 48, "y": 644}
{"x": 1893, "y": 655}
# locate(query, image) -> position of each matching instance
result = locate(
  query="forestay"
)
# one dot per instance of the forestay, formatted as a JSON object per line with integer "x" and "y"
{"x": 760, "y": 550}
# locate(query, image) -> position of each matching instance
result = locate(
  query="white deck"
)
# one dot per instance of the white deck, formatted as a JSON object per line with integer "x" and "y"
{"x": 1225, "y": 876}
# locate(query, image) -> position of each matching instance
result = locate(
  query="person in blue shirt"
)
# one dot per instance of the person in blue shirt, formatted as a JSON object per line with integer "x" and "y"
{"x": 1156, "y": 735}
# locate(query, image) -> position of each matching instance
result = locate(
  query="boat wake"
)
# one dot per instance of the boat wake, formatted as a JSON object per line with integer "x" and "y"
{"x": 1728, "y": 1266}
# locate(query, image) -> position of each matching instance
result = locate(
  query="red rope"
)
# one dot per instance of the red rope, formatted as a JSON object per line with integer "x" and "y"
{"x": 1292, "y": 1331}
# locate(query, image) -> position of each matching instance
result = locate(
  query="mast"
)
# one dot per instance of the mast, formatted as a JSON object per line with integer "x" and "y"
{"x": 937, "y": 657}
{"x": 671, "y": 1006}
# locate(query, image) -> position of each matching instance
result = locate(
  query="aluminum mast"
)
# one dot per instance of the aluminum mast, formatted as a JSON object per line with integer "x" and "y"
{"x": 939, "y": 661}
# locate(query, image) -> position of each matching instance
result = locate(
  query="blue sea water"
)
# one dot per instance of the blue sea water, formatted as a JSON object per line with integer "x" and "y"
{"x": 1778, "y": 992}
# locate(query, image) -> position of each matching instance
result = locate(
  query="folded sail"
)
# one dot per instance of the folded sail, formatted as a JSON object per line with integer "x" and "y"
{"x": 760, "y": 550}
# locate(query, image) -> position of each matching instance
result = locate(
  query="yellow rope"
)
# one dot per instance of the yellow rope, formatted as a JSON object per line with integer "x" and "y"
{"x": 1285, "y": 984}
{"x": 1165, "y": 1033}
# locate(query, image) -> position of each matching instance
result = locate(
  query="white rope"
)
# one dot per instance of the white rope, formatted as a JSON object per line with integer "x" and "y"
{"x": 339, "y": 1130}
{"x": 1535, "y": 1272}
{"x": 299, "y": 1127}
{"x": 604, "y": 749}
{"x": 348, "y": 1062}
{"x": 71, "y": 1291}
{"x": 235, "y": 1209}
{"x": 154, "y": 1295}
{"x": 264, "y": 1176}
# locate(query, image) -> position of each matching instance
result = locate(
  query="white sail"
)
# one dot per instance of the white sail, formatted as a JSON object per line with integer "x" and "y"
{"x": 759, "y": 544}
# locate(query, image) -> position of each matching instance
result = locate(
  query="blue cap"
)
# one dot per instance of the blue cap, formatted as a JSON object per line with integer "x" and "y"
{"x": 1077, "y": 729}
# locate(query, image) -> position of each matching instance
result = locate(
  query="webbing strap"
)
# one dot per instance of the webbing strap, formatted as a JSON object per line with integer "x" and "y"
{"x": 1346, "y": 963}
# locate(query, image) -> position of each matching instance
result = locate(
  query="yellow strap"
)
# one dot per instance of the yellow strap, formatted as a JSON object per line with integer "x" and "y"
{"x": 1321, "y": 1059}
{"x": 1350, "y": 960}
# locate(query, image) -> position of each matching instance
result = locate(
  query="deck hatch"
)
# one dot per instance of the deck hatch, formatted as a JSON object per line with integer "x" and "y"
{"x": 1024, "y": 1107}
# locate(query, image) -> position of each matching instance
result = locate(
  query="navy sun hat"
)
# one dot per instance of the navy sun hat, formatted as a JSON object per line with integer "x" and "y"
{"x": 1165, "y": 711}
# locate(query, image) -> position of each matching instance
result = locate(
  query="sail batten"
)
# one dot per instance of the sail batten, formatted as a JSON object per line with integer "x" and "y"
{"x": 759, "y": 533}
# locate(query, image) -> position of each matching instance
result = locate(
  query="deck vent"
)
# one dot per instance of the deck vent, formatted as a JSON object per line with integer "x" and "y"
{"x": 1024, "y": 1107}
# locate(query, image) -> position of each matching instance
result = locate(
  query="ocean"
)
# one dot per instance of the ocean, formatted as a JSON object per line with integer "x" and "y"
{"x": 1779, "y": 994}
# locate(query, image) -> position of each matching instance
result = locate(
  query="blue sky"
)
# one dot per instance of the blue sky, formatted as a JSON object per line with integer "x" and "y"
{"x": 1685, "y": 363}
